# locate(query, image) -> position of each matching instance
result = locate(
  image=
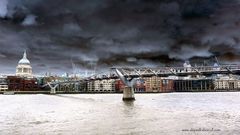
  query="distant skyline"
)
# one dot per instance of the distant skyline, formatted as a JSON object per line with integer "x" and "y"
{"x": 58, "y": 33}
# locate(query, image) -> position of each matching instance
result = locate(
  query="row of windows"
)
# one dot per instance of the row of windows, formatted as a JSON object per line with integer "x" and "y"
{"x": 24, "y": 70}
{"x": 102, "y": 90}
{"x": 101, "y": 87}
{"x": 227, "y": 85}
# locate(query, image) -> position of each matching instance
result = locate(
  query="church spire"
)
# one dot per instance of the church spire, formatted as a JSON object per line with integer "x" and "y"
{"x": 24, "y": 59}
{"x": 25, "y": 55}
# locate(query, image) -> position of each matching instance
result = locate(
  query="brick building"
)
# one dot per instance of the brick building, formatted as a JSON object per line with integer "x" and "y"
{"x": 16, "y": 83}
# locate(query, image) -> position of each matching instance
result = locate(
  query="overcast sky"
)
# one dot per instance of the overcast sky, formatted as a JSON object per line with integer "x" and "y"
{"x": 56, "y": 33}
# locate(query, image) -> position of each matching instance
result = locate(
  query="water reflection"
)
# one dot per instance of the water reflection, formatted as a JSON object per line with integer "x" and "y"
{"x": 128, "y": 103}
{"x": 129, "y": 110}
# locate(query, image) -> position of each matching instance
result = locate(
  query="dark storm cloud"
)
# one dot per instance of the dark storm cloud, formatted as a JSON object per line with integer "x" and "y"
{"x": 117, "y": 32}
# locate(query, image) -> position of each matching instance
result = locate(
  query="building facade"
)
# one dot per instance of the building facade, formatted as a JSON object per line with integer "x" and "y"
{"x": 139, "y": 86}
{"x": 91, "y": 86}
{"x": 167, "y": 85}
{"x": 3, "y": 84}
{"x": 191, "y": 85}
{"x": 119, "y": 86}
{"x": 100, "y": 86}
{"x": 16, "y": 83}
{"x": 227, "y": 84}
{"x": 152, "y": 84}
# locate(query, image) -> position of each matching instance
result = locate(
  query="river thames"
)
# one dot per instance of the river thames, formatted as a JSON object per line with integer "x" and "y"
{"x": 107, "y": 114}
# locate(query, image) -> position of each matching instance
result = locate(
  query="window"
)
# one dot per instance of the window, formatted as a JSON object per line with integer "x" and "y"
{"x": 25, "y": 70}
{"x": 19, "y": 70}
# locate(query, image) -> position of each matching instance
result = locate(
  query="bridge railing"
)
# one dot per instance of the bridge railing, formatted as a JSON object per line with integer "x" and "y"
{"x": 158, "y": 71}
{"x": 140, "y": 71}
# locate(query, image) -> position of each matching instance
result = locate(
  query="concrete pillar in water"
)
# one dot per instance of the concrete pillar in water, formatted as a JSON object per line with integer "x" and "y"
{"x": 128, "y": 94}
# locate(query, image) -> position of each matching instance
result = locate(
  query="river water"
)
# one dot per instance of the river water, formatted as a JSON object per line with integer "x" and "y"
{"x": 106, "y": 114}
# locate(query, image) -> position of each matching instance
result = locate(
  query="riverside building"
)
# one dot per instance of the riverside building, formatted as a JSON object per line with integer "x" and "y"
{"x": 3, "y": 84}
{"x": 226, "y": 83}
{"x": 105, "y": 85}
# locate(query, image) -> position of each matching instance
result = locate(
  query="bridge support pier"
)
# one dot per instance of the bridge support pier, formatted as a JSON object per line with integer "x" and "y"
{"x": 53, "y": 88}
{"x": 53, "y": 91}
{"x": 128, "y": 94}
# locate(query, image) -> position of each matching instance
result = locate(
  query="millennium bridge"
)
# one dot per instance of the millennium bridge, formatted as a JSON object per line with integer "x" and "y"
{"x": 129, "y": 75}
